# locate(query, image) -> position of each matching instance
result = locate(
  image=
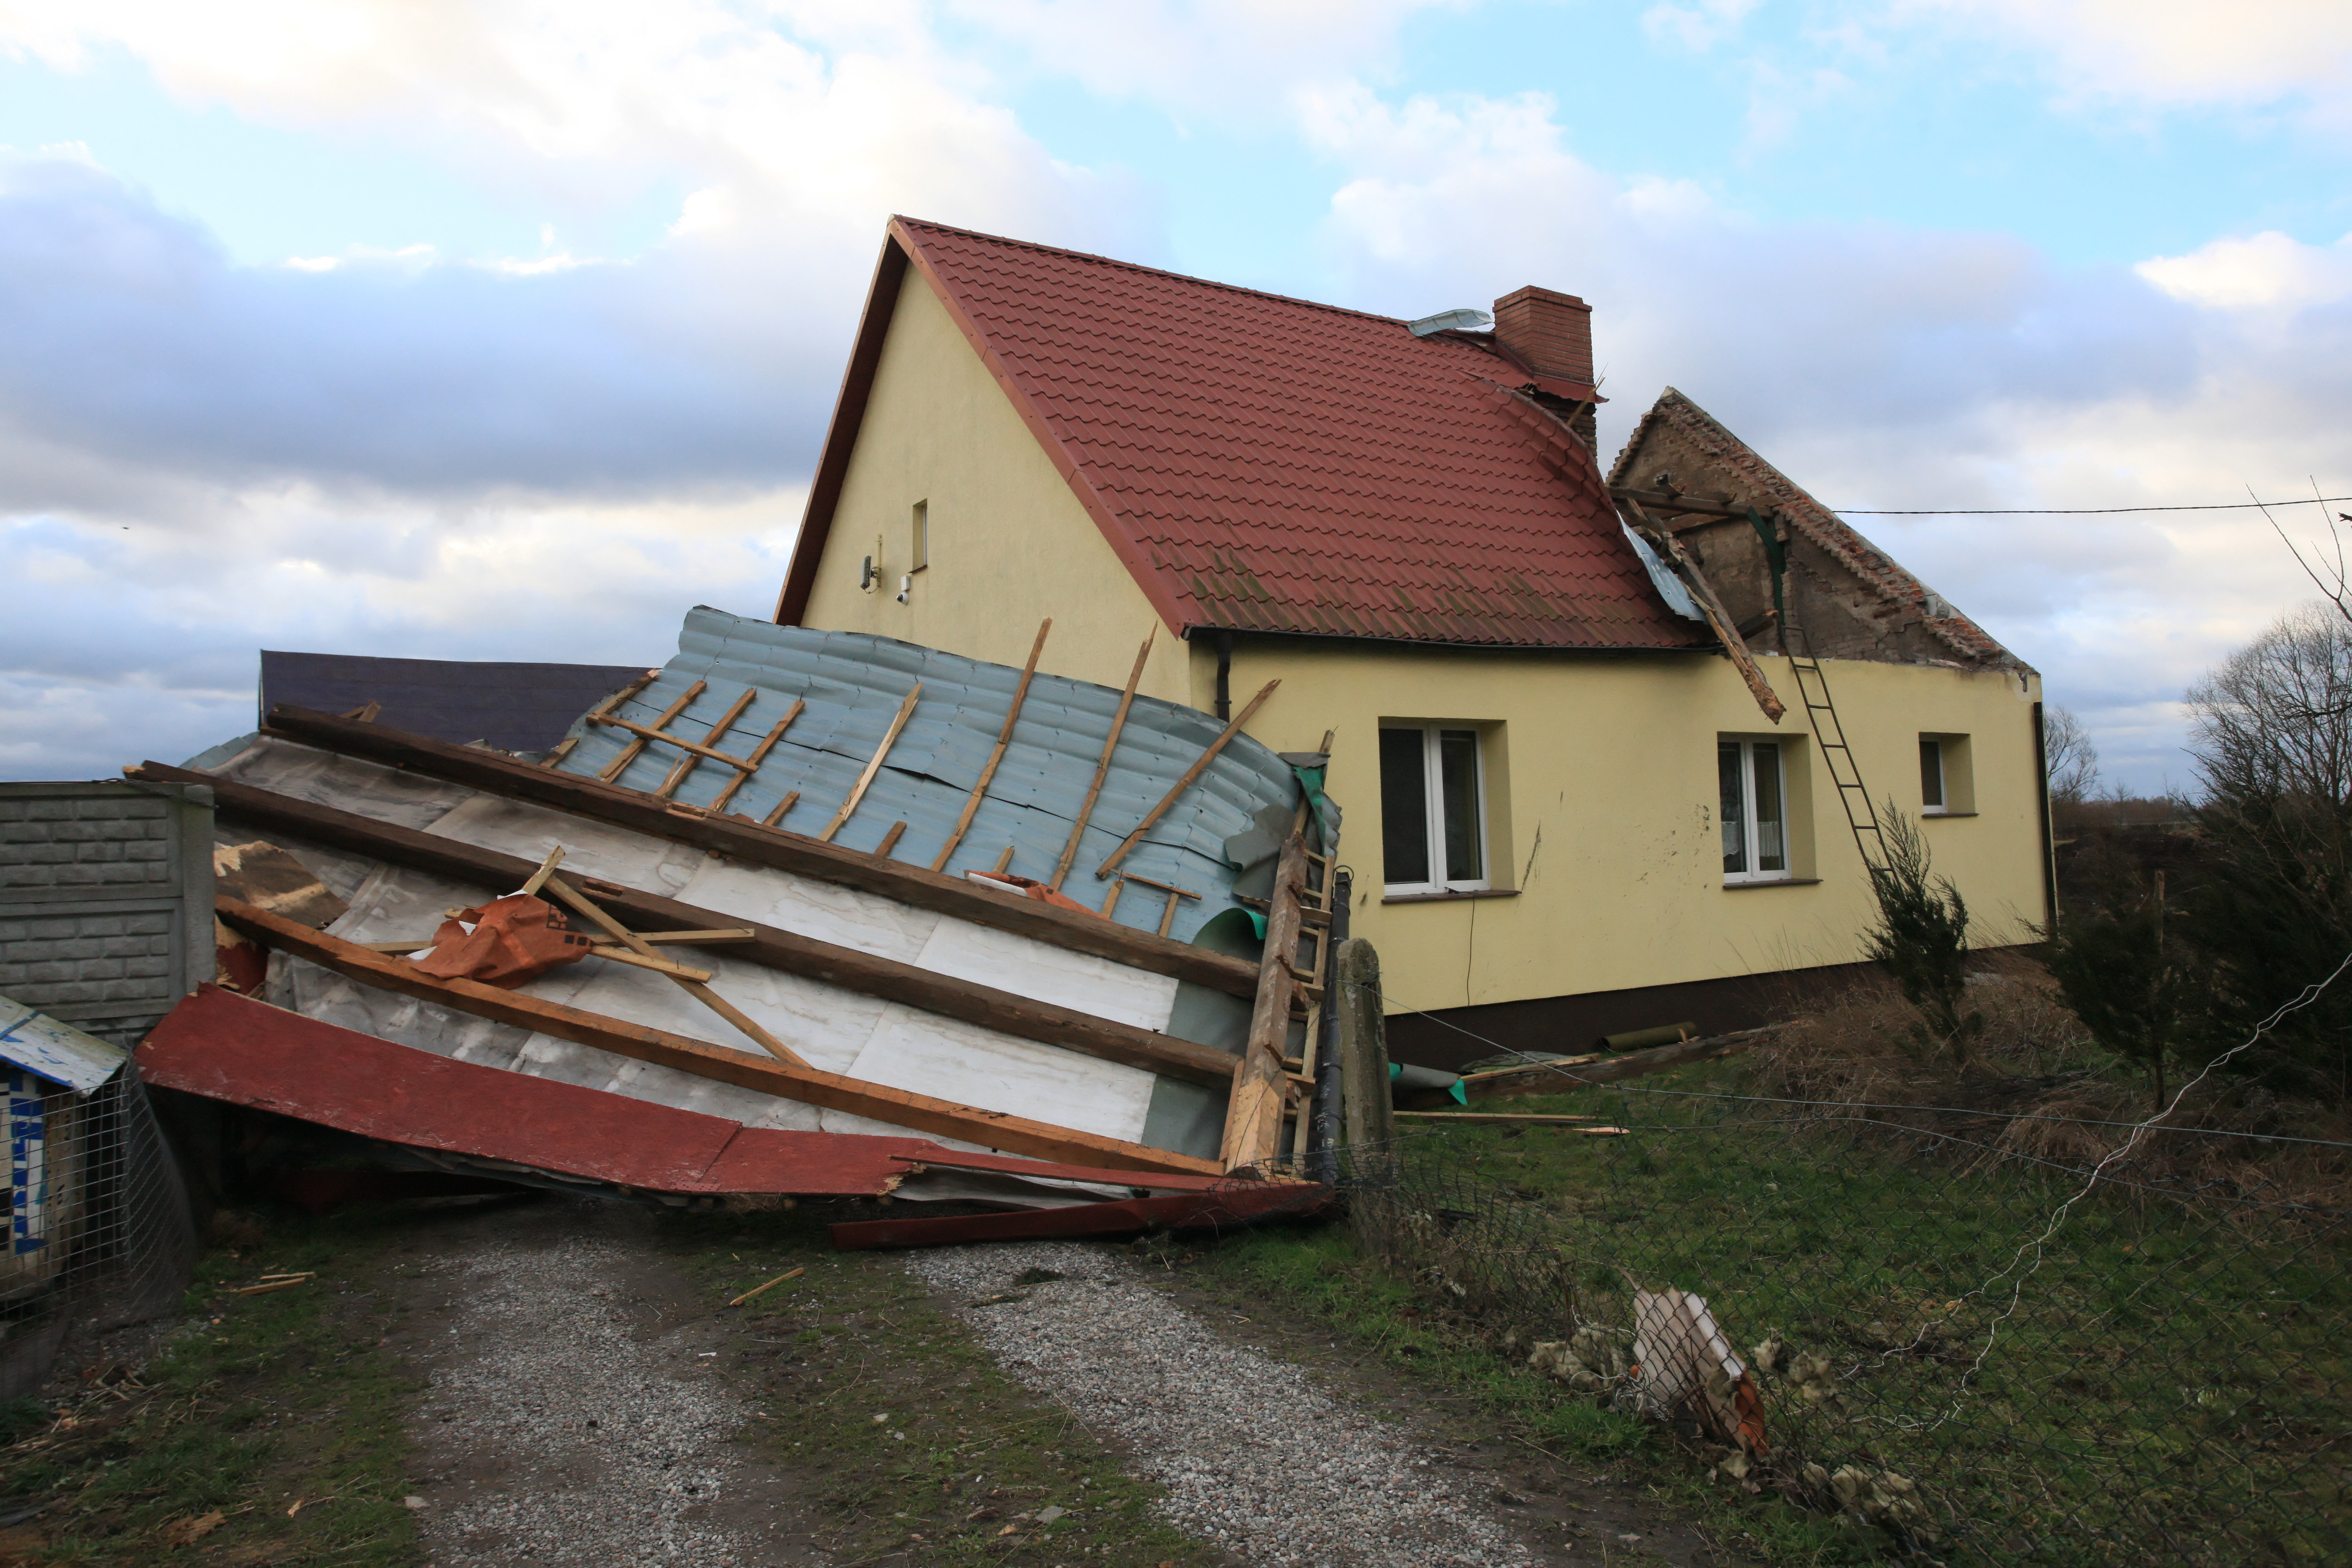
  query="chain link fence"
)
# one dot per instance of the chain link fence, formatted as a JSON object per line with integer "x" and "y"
{"x": 1884, "y": 1316}
{"x": 98, "y": 1227}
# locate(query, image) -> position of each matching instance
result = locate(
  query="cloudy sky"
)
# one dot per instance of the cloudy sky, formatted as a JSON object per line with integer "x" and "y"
{"x": 507, "y": 329}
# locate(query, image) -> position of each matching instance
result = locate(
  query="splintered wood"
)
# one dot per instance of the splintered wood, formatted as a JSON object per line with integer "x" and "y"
{"x": 1261, "y": 1085}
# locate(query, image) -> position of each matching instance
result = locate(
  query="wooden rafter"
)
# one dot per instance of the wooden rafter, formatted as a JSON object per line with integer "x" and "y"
{"x": 742, "y": 840}
{"x": 1200, "y": 764}
{"x": 1719, "y": 619}
{"x": 770, "y": 947}
{"x": 1102, "y": 764}
{"x": 1260, "y": 1085}
{"x": 809, "y": 1086}
{"x": 1004, "y": 739}
{"x": 629, "y": 753}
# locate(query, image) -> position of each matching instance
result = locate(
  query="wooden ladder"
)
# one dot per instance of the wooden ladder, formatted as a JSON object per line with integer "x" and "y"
{"x": 1837, "y": 757}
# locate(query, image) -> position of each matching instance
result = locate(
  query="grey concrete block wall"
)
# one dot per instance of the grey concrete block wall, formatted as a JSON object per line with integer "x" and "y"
{"x": 105, "y": 900}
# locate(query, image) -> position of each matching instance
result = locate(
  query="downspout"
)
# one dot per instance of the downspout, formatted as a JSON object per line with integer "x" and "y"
{"x": 1323, "y": 1110}
{"x": 2049, "y": 845}
{"x": 1224, "y": 677}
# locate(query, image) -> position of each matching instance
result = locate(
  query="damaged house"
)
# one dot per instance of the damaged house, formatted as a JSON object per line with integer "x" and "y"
{"x": 1614, "y": 742}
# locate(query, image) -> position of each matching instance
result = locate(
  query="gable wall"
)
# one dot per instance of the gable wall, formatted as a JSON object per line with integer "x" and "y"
{"x": 1010, "y": 544}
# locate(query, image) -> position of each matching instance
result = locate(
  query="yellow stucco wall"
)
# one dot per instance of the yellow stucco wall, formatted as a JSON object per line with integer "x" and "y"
{"x": 1010, "y": 544}
{"x": 1601, "y": 772}
{"x": 1612, "y": 762}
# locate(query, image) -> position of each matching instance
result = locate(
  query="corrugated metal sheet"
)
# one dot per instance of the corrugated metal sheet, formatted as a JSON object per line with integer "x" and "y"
{"x": 1285, "y": 466}
{"x": 853, "y": 683}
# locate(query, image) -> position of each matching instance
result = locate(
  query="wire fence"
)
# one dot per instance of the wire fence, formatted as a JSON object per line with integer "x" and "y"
{"x": 98, "y": 1229}
{"x": 1873, "y": 1314}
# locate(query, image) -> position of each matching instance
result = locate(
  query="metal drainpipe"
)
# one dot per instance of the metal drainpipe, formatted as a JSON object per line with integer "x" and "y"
{"x": 1323, "y": 1110}
{"x": 1224, "y": 677}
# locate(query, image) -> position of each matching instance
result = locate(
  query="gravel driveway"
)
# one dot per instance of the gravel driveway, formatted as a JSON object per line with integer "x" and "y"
{"x": 1254, "y": 1456}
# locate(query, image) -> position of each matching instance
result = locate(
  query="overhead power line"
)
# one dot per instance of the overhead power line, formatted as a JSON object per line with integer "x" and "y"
{"x": 2080, "y": 511}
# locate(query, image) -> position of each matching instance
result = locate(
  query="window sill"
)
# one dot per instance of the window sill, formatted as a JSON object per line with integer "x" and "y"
{"x": 1449, "y": 897}
{"x": 1774, "y": 882}
{"x": 1945, "y": 814}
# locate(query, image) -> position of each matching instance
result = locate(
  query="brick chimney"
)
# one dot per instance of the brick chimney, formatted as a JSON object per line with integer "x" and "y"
{"x": 1552, "y": 333}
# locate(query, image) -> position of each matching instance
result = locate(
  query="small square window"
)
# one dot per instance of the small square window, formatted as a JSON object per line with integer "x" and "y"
{"x": 1753, "y": 793}
{"x": 1432, "y": 809}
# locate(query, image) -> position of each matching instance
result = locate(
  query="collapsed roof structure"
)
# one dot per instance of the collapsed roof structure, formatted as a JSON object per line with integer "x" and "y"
{"x": 816, "y": 882}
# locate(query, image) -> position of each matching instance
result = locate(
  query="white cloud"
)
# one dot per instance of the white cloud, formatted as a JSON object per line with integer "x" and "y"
{"x": 2265, "y": 272}
{"x": 1892, "y": 368}
{"x": 2178, "y": 52}
{"x": 1698, "y": 28}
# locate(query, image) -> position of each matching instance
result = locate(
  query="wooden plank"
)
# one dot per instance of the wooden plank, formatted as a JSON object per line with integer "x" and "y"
{"x": 1254, "y": 1112}
{"x": 698, "y": 989}
{"x": 1102, "y": 764}
{"x": 1191, "y": 773}
{"x": 740, "y": 839}
{"x": 614, "y": 951}
{"x": 694, "y": 754}
{"x": 808, "y": 1086}
{"x": 694, "y": 748}
{"x": 1719, "y": 619}
{"x": 890, "y": 840}
{"x": 614, "y": 700}
{"x": 890, "y": 739}
{"x": 791, "y": 799}
{"x": 615, "y": 768}
{"x": 758, "y": 754}
{"x": 1004, "y": 739}
{"x": 1495, "y": 1118}
{"x": 775, "y": 949}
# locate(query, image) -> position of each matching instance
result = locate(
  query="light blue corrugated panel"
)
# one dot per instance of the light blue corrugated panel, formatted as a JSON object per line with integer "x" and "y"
{"x": 853, "y": 685}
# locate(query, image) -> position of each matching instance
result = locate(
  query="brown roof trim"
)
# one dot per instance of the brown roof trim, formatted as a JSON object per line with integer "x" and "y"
{"x": 900, "y": 247}
{"x": 841, "y": 435}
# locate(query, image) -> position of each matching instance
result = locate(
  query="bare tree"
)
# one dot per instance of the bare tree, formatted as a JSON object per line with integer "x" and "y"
{"x": 2073, "y": 760}
{"x": 2274, "y": 719}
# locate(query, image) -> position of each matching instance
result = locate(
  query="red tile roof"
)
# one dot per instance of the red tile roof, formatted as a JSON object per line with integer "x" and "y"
{"x": 1269, "y": 464}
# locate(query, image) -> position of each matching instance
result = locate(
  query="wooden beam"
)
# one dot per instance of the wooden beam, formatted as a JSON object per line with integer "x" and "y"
{"x": 809, "y": 1086}
{"x": 1253, "y": 1113}
{"x": 694, "y": 754}
{"x": 698, "y": 989}
{"x": 1719, "y": 619}
{"x": 758, "y": 754}
{"x": 694, "y": 749}
{"x": 1199, "y": 764}
{"x": 740, "y": 839}
{"x": 1673, "y": 502}
{"x": 1102, "y": 766}
{"x": 620, "y": 764}
{"x": 614, "y": 700}
{"x": 1004, "y": 739}
{"x": 890, "y": 739}
{"x": 769, "y": 947}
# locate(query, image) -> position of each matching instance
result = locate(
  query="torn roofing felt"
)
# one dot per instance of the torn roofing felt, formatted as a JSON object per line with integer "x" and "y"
{"x": 853, "y": 685}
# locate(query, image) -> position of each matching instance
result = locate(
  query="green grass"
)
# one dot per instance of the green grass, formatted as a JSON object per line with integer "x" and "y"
{"x": 855, "y": 1337}
{"x": 2171, "y": 1374}
{"x": 258, "y": 1402}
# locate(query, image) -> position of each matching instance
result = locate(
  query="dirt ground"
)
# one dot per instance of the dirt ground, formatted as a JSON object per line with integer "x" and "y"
{"x": 575, "y": 1389}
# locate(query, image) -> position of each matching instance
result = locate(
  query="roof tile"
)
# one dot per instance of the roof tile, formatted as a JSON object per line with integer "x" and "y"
{"x": 1281, "y": 465}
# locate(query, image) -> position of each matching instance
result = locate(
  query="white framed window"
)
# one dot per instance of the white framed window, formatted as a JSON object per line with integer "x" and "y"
{"x": 1934, "y": 800}
{"x": 1432, "y": 809}
{"x": 1754, "y": 790}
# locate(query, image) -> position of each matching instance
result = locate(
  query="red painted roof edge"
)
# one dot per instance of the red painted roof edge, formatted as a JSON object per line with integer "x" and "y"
{"x": 841, "y": 435}
{"x": 1147, "y": 577}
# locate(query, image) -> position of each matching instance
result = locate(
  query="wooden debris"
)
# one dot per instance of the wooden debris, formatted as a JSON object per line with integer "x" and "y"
{"x": 790, "y": 800}
{"x": 757, "y": 1290}
{"x": 905, "y": 712}
{"x": 1476, "y": 1119}
{"x": 1004, "y": 739}
{"x": 889, "y": 840}
{"x": 261, "y": 873}
{"x": 1719, "y": 619}
{"x": 758, "y": 754}
{"x": 1254, "y": 1114}
{"x": 694, "y": 754}
{"x": 810, "y": 1086}
{"x": 1200, "y": 764}
{"x": 698, "y": 989}
{"x": 614, "y": 700}
{"x": 629, "y": 753}
{"x": 1102, "y": 764}
{"x": 546, "y": 870}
